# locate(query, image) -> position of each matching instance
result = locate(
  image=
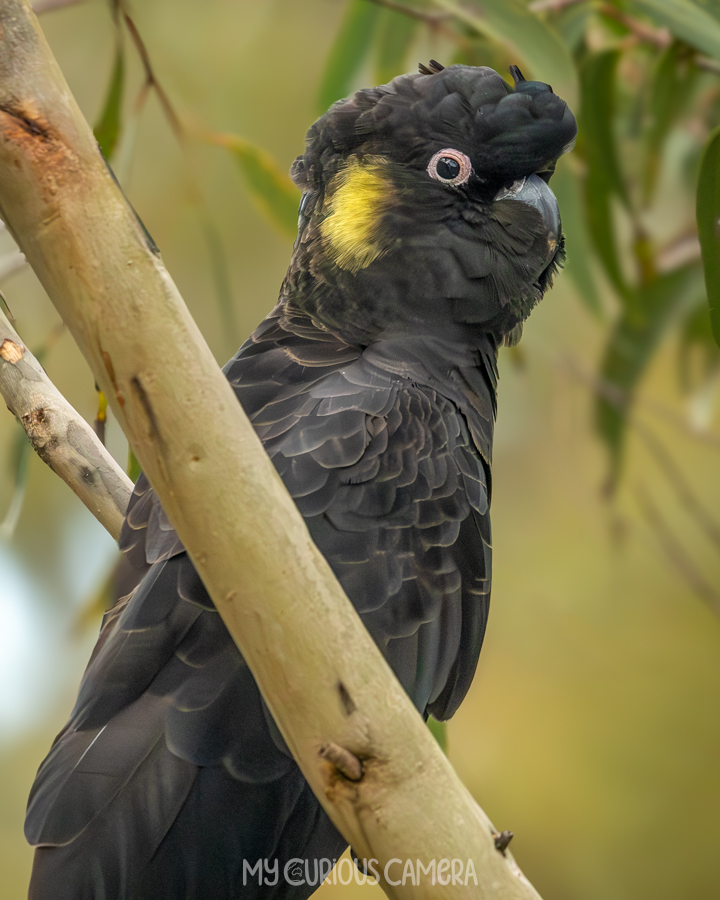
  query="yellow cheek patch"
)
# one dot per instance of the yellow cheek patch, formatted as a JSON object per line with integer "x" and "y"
{"x": 357, "y": 197}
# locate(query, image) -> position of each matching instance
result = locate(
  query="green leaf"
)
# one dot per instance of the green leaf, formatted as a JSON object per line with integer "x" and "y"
{"x": 395, "y": 33}
{"x": 134, "y": 468}
{"x": 708, "y": 220}
{"x": 272, "y": 191}
{"x": 686, "y": 20}
{"x": 439, "y": 732}
{"x": 671, "y": 80}
{"x": 568, "y": 190}
{"x": 349, "y": 51}
{"x": 221, "y": 278}
{"x": 597, "y": 115}
{"x": 571, "y": 24}
{"x": 536, "y": 46}
{"x": 479, "y": 50}
{"x": 697, "y": 344}
{"x": 630, "y": 347}
{"x": 604, "y": 178}
{"x": 107, "y": 129}
{"x": 21, "y": 452}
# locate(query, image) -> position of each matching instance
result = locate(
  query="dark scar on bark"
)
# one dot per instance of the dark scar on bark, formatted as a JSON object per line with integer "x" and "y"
{"x": 28, "y": 124}
{"x": 142, "y": 396}
{"x": 347, "y": 701}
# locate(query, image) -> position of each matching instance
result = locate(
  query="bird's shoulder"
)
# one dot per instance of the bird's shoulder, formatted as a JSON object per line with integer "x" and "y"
{"x": 331, "y": 414}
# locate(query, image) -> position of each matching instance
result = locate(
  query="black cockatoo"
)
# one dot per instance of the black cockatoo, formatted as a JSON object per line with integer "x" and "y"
{"x": 427, "y": 233}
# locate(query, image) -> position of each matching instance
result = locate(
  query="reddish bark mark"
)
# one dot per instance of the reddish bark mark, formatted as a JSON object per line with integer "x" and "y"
{"x": 22, "y": 124}
{"x": 10, "y": 351}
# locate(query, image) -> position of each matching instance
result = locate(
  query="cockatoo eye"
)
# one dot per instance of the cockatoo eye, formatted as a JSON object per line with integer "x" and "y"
{"x": 450, "y": 167}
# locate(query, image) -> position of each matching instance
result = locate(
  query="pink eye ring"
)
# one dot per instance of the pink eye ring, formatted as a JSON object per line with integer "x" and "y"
{"x": 450, "y": 166}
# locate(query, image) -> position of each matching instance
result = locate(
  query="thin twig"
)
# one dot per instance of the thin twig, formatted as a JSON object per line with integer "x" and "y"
{"x": 42, "y": 6}
{"x": 658, "y": 37}
{"x": 675, "y": 551}
{"x": 420, "y": 14}
{"x": 707, "y": 64}
{"x": 661, "y": 38}
{"x": 151, "y": 78}
{"x": 550, "y": 5}
{"x": 685, "y": 494}
{"x": 436, "y": 21}
{"x": 683, "y": 249}
{"x": 621, "y": 399}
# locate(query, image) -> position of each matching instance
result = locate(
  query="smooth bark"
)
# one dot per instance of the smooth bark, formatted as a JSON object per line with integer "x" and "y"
{"x": 59, "y": 434}
{"x": 338, "y": 705}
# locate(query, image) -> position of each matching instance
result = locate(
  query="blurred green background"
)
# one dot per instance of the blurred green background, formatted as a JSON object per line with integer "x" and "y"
{"x": 592, "y": 727}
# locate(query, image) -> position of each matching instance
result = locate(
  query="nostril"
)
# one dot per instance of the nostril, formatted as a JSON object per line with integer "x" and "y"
{"x": 511, "y": 191}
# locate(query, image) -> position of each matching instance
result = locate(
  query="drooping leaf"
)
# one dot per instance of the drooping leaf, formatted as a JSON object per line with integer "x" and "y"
{"x": 596, "y": 117}
{"x": 708, "y": 220}
{"x": 538, "y": 48}
{"x": 672, "y": 78}
{"x": 685, "y": 19}
{"x": 221, "y": 278}
{"x": 439, "y": 732}
{"x": 480, "y": 50}
{"x": 107, "y": 129}
{"x": 271, "y": 189}
{"x": 571, "y": 23}
{"x": 21, "y": 453}
{"x": 395, "y": 33}
{"x": 133, "y": 467}
{"x": 125, "y": 152}
{"x": 567, "y": 188}
{"x": 101, "y": 416}
{"x": 632, "y": 342}
{"x": 349, "y": 52}
{"x": 604, "y": 176}
{"x": 697, "y": 344}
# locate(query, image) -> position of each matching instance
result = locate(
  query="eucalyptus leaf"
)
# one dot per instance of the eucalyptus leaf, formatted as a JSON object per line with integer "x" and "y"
{"x": 272, "y": 191}
{"x": 604, "y": 177}
{"x": 21, "y": 452}
{"x": 630, "y": 347}
{"x": 685, "y": 19}
{"x": 221, "y": 278}
{"x": 107, "y": 129}
{"x": 697, "y": 344}
{"x": 708, "y": 221}
{"x": 571, "y": 23}
{"x": 349, "y": 52}
{"x": 671, "y": 80}
{"x": 538, "y": 48}
{"x": 567, "y": 188}
{"x": 134, "y": 468}
{"x": 395, "y": 33}
{"x": 439, "y": 732}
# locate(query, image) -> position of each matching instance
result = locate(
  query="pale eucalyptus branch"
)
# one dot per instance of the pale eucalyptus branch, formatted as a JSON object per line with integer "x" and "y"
{"x": 335, "y": 700}
{"x": 59, "y": 434}
{"x": 43, "y": 6}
